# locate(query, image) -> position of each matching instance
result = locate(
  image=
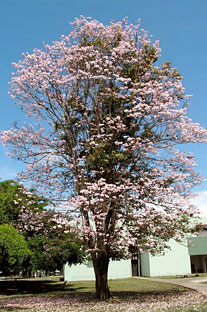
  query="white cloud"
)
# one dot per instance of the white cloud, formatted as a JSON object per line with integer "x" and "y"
{"x": 200, "y": 201}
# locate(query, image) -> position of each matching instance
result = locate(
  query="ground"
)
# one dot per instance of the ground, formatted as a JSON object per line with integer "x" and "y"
{"x": 128, "y": 295}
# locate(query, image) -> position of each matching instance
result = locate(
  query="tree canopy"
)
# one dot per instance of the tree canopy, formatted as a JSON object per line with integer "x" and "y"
{"x": 106, "y": 123}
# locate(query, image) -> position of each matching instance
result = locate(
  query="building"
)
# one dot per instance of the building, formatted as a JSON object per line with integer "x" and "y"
{"x": 181, "y": 259}
{"x": 174, "y": 262}
{"x": 197, "y": 249}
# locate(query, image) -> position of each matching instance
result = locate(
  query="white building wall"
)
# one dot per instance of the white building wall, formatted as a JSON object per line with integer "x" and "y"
{"x": 79, "y": 272}
{"x": 174, "y": 262}
{"x": 85, "y": 272}
{"x": 120, "y": 269}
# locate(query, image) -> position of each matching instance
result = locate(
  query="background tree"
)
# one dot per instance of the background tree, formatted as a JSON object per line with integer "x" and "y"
{"x": 13, "y": 197}
{"x": 50, "y": 238}
{"x": 50, "y": 254}
{"x": 106, "y": 123}
{"x": 14, "y": 251}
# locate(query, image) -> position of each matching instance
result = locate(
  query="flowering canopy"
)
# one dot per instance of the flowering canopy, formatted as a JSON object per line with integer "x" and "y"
{"x": 106, "y": 123}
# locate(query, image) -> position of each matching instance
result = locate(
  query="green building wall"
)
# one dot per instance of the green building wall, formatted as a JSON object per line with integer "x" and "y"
{"x": 198, "y": 253}
{"x": 197, "y": 245}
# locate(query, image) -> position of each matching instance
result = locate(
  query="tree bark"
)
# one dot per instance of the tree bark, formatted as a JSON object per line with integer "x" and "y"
{"x": 101, "y": 273}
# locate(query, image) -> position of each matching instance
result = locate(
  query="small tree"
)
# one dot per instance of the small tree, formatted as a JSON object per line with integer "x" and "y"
{"x": 14, "y": 250}
{"x": 106, "y": 123}
{"x": 50, "y": 254}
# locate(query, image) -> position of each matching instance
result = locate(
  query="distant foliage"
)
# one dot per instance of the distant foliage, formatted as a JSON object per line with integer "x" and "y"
{"x": 14, "y": 250}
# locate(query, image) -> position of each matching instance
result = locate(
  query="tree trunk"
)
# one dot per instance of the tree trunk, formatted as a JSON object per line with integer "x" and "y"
{"x": 101, "y": 272}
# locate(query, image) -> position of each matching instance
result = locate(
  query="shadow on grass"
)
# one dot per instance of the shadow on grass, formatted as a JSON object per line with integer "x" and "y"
{"x": 33, "y": 287}
{"x": 76, "y": 293}
{"x": 134, "y": 295}
{"x": 12, "y": 309}
{"x": 29, "y": 287}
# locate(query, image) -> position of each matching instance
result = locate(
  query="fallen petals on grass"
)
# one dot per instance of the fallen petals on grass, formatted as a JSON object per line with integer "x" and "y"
{"x": 87, "y": 303}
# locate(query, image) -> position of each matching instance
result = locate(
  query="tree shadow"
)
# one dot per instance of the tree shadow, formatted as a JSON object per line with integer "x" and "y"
{"x": 134, "y": 295}
{"x": 12, "y": 309}
{"x": 33, "y": 287}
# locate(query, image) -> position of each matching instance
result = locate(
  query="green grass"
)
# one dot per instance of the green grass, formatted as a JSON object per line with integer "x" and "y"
{"x": 181, "y": 276}
{"x": 142, "y": 286}
{"x": 128, "y": 295}
{"x": 52, "y": 286}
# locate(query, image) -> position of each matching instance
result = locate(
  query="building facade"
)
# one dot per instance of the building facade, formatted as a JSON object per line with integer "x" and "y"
{"x": 181, "y": 259}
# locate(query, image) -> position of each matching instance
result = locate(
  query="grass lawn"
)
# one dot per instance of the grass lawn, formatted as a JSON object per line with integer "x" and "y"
{"x": 131, "y": 294}
{"x": 52, "y": 286}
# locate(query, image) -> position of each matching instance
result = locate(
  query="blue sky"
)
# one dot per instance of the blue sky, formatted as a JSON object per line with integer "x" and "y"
{"x": 180, "y": 25}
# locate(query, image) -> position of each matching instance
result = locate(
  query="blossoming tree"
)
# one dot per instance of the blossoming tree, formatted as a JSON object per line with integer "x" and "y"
{"x": 106, "y": 122}
{"x": 15, "y": 199}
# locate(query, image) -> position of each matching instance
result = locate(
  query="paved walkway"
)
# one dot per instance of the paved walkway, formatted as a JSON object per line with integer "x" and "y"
{"x": 195, "y": 283}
